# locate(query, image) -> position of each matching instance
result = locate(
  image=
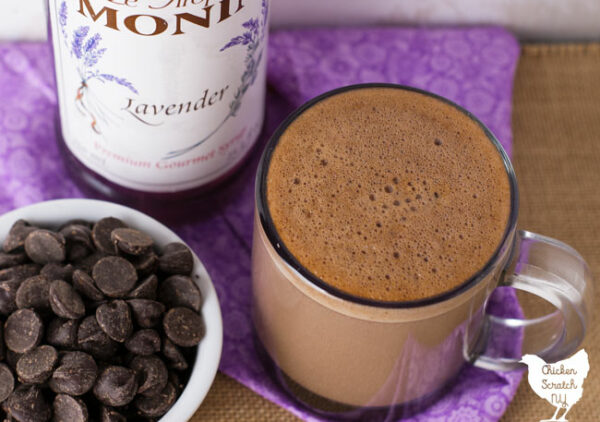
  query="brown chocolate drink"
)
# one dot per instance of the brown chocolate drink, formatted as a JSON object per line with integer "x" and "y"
{"x": 383, "y": 220}
{"x": 388, "y": 194}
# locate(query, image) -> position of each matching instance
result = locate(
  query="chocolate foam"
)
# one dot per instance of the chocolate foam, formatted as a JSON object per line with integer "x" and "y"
{"x": 388, "y": 194}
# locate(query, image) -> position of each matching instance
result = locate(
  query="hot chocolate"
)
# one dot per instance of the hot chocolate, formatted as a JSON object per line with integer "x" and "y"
{"x": 385, "y": 218}
{"x": 388, "y": 194}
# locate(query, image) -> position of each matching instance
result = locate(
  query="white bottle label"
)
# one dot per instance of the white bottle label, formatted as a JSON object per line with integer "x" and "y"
{"x": 160, "y": 95}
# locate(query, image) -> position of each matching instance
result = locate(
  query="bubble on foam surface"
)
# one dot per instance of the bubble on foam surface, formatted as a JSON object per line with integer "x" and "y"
{"x": 370, "y": 201}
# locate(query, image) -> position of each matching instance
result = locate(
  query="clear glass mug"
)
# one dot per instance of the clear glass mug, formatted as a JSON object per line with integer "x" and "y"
{"x": 358, "y": 353}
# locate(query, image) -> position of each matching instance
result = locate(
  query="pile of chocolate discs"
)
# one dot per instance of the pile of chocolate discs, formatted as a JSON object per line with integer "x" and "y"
{"x": 96, "y": 323}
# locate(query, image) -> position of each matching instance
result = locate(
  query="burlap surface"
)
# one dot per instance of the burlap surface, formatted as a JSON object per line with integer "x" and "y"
{"x": 556, "y": 125}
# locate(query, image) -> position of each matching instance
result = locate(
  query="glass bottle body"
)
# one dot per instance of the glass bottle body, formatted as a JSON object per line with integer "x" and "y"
{"x": 158, "y": 101}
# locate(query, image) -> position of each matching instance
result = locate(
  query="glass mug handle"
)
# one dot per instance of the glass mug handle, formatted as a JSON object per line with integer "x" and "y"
{"x": 556, "y": 273}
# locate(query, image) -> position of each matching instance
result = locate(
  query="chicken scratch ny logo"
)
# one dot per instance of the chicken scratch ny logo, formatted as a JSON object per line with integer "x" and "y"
{"x": 560, "y": 383}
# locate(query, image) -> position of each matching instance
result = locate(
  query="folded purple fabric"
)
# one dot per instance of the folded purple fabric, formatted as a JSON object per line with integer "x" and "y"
{"x": 474, "y": 67}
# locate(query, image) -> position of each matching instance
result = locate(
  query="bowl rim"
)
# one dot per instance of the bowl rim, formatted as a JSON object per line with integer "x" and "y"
{"x": 209, "y": 351}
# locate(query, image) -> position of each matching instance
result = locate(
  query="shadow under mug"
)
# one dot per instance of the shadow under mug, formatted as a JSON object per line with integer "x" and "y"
{"x": 367, "y": 354}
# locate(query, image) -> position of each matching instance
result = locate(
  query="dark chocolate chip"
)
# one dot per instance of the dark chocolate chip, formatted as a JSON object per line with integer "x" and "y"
{"x": 75, "y": 375}
{"x": 131, "y": 241}
{"x": 62, "y": 333}
{"x": 27, "y": 404}
{"x": 7, "y": 382}
{"x": 145, "y": 264}
{"x": 93, "y": 340}
{"x": 36, "y": 366}
{"x": 114, "y": 276}
{"x": 69, "y": 409}
{"x": 23, "y": 331}
{"x": 144, "y": 342}
{"x": 115, "y": 320}
{"x": 108, "y": 414}
{"x": 78, "y": 234}
{"x": 101, "y": 234}
{"x": 146, "y": 289}
{"x": 174, "y": 356}
{"x": 55, "y": 271}
{"x": 158, "y": 405}
{"x": 8, "y": 295}
{"x": 84, "y": 284}
{"x": 10, "y": 280}
{"x": 10, "y": 260}
{"x": 180, "y": 290}
{"x": 34, "y": 293}
{"x": 147, "y": 313}
{"x": 87, "y": 263}
{"x": 44, "y": 246}
{"x": 20, "y": 272}
{"x": 184, "y": 327}
{"x": 176, "y": 259}
{"x": 152, "y": 373}
{"x": 116, "y": 386}
{"x": 16, "y": 236}
{"x": 65, "y": 301}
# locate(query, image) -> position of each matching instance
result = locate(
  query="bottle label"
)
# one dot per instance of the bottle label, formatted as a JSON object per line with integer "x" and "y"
{"x": 160, "y": 95}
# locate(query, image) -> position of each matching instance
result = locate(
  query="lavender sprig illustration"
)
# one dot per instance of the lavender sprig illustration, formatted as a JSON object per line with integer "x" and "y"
{"x": 84, "y": 47}
{"x": 78, "y": 37}
{"x": 62, "y": 19}
{"x": 252, "y": 38}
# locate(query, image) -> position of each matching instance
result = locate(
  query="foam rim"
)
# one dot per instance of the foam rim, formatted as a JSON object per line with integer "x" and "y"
{"x": 277, "y": 243}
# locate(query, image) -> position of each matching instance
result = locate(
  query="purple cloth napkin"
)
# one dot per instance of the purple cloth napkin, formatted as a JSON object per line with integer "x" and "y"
{"x": 474, "y": 67}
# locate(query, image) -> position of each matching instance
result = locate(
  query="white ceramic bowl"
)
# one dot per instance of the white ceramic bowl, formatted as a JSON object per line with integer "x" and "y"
{"x": 54, "y": 213}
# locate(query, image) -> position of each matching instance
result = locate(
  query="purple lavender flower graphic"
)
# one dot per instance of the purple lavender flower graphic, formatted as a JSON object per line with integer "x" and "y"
{"x": 63, "y": 14}
{"x": 62, "y": 19}
{"x": 85, "y": 48}
{"x": 251, "y": 38}
{"x": 119, "y": 81}
{"x": 252, "y": 25}
{"x": 78, "y": 37}
{"x": 92, "y": 43}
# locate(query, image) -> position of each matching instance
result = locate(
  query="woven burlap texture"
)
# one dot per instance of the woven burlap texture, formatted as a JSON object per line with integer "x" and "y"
{"x": 556, "y": 124}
